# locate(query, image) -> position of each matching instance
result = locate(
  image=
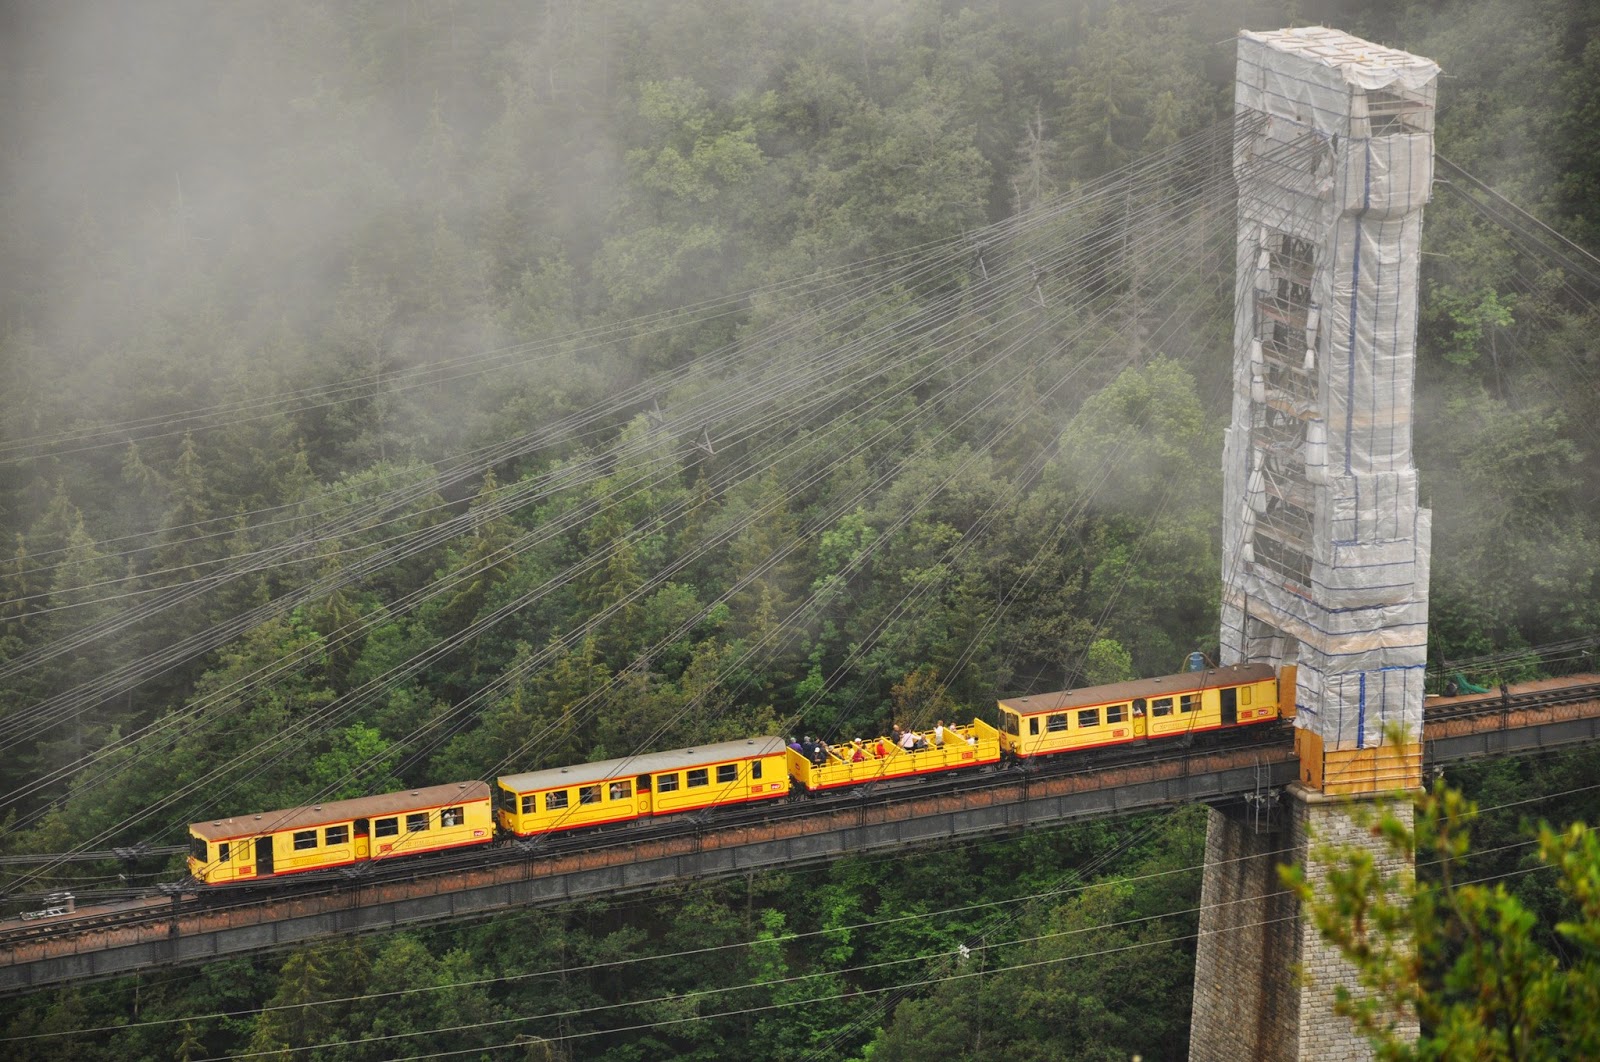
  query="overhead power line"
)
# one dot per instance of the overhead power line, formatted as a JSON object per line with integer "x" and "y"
{"x": 1514, "y": 219}
{"x": 1160, "y": 225}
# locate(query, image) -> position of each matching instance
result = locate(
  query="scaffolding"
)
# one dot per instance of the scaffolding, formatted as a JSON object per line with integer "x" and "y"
{"x": 1326, "y": 548}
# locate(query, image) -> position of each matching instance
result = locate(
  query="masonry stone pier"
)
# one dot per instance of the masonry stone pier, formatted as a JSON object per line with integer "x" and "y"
{"x": 1326, "y": 549}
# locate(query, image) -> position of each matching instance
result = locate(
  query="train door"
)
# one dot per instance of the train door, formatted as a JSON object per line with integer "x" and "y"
{"x": 263, "y": 856}
{"x": 1140, "y": 724}
{"x": 363, "y": 845}
{"x": 642, "y": 788}
{"x": 1230, "y": 705}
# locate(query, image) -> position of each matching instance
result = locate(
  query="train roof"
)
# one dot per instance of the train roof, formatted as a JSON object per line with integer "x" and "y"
{"x": 646, "y": 763}
{"x": 433, "y": 796}
{"x": 1184, "y": 682}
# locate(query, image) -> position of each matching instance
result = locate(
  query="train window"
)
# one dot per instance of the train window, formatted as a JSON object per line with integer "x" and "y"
{"x": 197, "y": 848}
{"x": 728, "y": 772}
{"x": 698, "y": 777}
{"x": 1033, "y": 725}
{"x": 588, "y": 794}
{"x": 527, "y": 805}
{"x": 1116, "y": 713}
{"x": 222, "y": 852}
{"x": 555, "y": 801}
{"x": 385, "y": 827}
{"x": 1161, "y": 706}
{"x": 304, "y": 839}
{"x": 667, "y": 783}
{"x": 621, "y": 790}
{"x": 755, "y": 768}
{"x": 1189, "y": 702}
{"x": 417, "y": 822}
{"x": 1056, "y": 722}
{"x": 644, "y": 783}
{"x": 336, "y": 835}
{"x": 452, "y": 816}
{"x": 1012, "y": 723}
{"x": 1089, "y": 717}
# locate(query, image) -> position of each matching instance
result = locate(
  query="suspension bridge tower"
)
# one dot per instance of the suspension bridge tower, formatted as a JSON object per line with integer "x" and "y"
{"x": 1325, "y": 546}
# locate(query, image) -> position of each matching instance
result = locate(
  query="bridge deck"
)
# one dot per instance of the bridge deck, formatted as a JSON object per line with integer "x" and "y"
{"x": 108, "y": 940}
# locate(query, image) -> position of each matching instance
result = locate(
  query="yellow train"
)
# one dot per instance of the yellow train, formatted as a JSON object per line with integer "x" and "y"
{"x": 1191, "y": 702}
{"x": 636, "y": 787}
{"x": 340, "y": 833}
{"x": 951, "y": 748}
{"x": 372, "y": 829}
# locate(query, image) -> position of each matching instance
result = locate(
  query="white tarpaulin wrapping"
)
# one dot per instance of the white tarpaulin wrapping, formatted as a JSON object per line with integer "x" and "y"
{"x": 1310, "y": 73}
{"x": 1328, "y": 551}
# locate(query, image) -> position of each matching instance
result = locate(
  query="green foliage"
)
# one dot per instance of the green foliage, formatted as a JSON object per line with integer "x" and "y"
{"x": 360, "y": 762}
{"x": 921, "y": 700}
{"x": 1475, "y": 323}
{"x": 1107, "y": 661}
{"x": 1136, "y": 455}
{"x": 1521, "y": 540}
{"x": 1097, "y": 972}
{"x": 1466, "y": 957}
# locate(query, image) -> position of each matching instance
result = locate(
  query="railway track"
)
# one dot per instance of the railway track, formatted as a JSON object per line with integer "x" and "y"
{"x": 1504, "y": 700}
{"x": 143, "y": 910}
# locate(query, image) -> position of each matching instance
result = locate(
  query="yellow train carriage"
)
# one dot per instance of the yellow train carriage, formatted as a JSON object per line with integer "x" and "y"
{"x": 656, "y": 783}
{"x": 340, "y": 833}
{"x": 972, "y": 745}
{"x": 1124, "y": 712}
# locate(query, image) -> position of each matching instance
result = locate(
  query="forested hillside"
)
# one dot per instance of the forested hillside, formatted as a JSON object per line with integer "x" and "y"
{"x": 400, "y": 393}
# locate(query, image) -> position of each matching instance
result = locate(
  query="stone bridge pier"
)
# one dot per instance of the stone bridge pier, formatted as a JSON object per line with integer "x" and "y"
{"x": 1325, "y": 548}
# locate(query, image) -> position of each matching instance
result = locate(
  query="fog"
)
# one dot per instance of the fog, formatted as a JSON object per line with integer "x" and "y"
{"x": 191, "y": 188}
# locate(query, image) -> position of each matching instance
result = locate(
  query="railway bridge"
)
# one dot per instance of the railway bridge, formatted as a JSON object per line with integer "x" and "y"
{"x": 1326, "y": 563}
{"x": 1243, "y": 780}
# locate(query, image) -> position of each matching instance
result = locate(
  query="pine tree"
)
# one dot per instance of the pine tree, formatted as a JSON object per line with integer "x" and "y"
{"x": 487, "y": 560}
{"x": 183, "y": 549}
{"x": 17, "y": 585}
{"x": 149, "y": 490}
